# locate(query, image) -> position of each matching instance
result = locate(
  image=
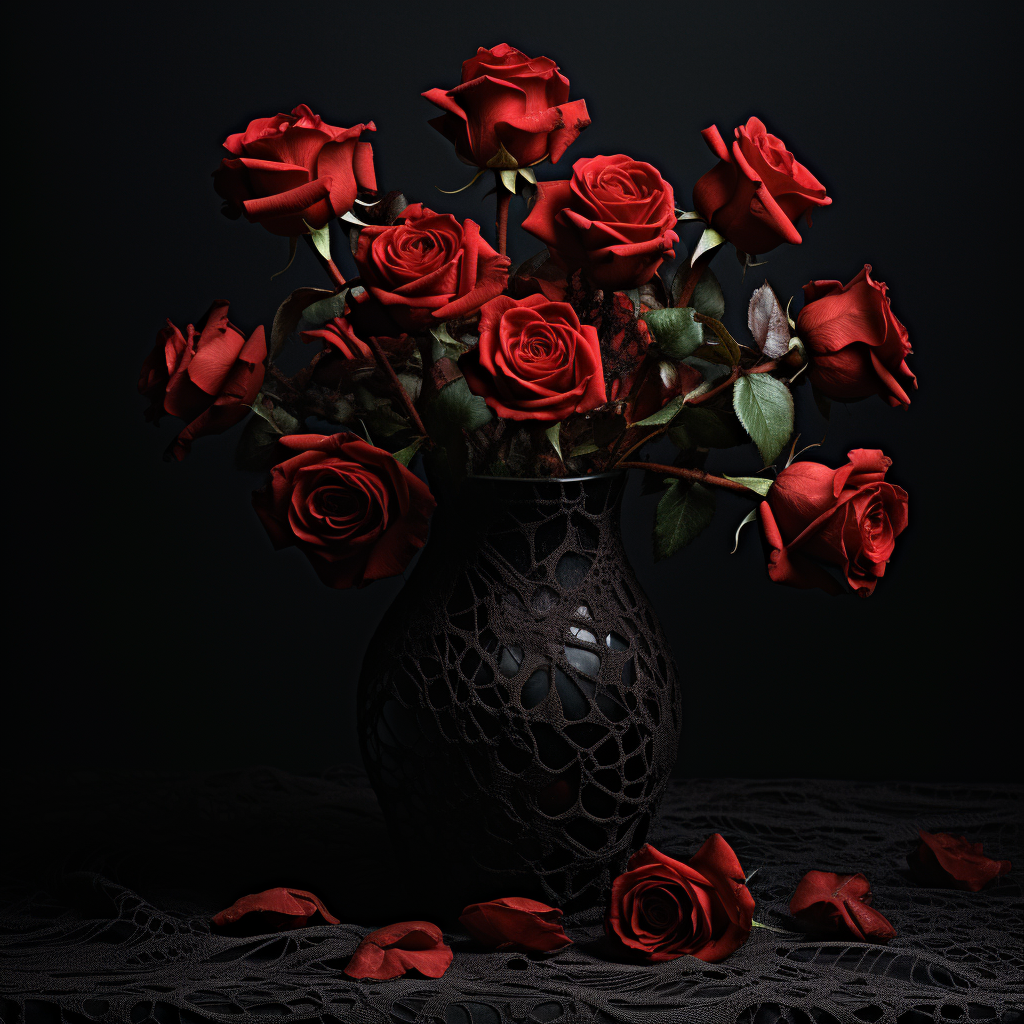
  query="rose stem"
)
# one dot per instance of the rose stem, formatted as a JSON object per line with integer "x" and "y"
{"x": 695, "y": 475}
{"x": 694, "y": 275}
{"x": 398, "y": 388}
{"x": 501, "y": 224}
{"x": 332, "y": 271}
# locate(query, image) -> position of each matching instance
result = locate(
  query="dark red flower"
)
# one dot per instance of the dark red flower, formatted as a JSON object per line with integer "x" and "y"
{"x": 292, "y": 170}
{"x": 535, "y": 361}
{"x": 208, "y": 377}
{"x": 516, "y": 923}
{"x": 849, "y": 517}
{"x": 339, "y": 336}
{"x": 839, "y": 903}
{"x": 757, "y": 192}
{"x": 953, "y": 862}
{"x": 509, "y": 111}
{"x": 613, "y": 219}
{"x": 356, "y": 512}
{"x": 285, "y": 908}
{"x": 856, "y": 345}
{"x": 662, "y": 909}
{"x": 429, "y": 267}
{"x": 393, "y": 951}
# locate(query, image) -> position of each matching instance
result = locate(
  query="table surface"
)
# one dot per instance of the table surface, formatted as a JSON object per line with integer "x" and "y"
{"x": 113, "y": 878}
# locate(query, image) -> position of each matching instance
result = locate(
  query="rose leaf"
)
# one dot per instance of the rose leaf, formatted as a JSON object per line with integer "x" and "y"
{"x": 405, "y": 456}
{"x": 456, "y": 406}
{"x": 683, "y": 512}
{"x": 677, "y": 333}
{"x": 709, "y": 240}
{"x": 767, "y": 322}
{"x": 552, "y": 435}
{"x": 664, "y": 415}
{"x": 321, "y": 239}
{"x": 756, "y": 483}
{"x": 765, "y": 408}
{"x": 708, "y": 297}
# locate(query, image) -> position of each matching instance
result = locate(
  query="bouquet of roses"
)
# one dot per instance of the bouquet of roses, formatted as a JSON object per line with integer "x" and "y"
{"x": 565, "y": 365}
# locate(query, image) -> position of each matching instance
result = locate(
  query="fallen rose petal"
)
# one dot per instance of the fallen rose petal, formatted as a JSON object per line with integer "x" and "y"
{"x": 516, "y": 923}
{"x": 296, "y": 905}
{"x": 953, "y": 862}
{"x": 840, "y": 903}
{"x": 392, "y": 951}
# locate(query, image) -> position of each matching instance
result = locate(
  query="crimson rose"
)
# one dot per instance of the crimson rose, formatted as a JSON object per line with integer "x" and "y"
{"x": 757, "y": 192}
{"x": 849, "y": 517}
{"x": 339, "y": 336}
{"x": 614, "y": 219}
{"x": 428, "y": 267}
{"x": 357, "y": 513}
{"x": 510, "y": 110}
{"x": 535, "y": 361}
{"x": 208, "y": 377}
{"x": 291, "y": 170}
{"x": 516, "y": 923}
{"x": 856, "y": 346}
{"x": 840, "y": 903}
{"x": 953, "y": 862}
{"x": 393, "y": 951}
{"x": 664, "y": 909}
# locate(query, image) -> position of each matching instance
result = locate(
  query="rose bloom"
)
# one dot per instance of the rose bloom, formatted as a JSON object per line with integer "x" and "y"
{"x": 849, "y": 517}
{"x": 662, "y": 909}
{"x": 758, "y": 190}
{"x": 292, "y": 169}
{"x": 535, "y": 361}
{"x": 856, "y": 345}
{"x": 614, "y": 219}
{"x": 356, "y": 512}
{"x": 429, "y": 267}
{"x": 209, "y": 376}
{"x": 509, "y": 102}
{"x": 516, "y": 923}
{"x": 953, "y": 862}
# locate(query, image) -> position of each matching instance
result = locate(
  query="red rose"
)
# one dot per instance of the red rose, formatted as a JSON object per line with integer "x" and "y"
{"x": 839, "y": 903}
{"x": 288, "y": 908}
{"x": 614, "y": 219}
{"x": 208, "y": 377}
{"x": 516, "y": 923}
{"x": 293, "y": 168}
{"x": 339, "y": 336}
{"x": 428, "y": 267}
{"x": 856, "y": 346}
{"x": 393, "y": 951}
{"x": 664, "y": 909}
{"x": 849, "y": 517}
{"x": 356, "y": 513}
{"x": 535, "y": 361}
{"x": 755, "y": 194}
{"x": 508, "y": 101}
{"x": 953, "y": 862}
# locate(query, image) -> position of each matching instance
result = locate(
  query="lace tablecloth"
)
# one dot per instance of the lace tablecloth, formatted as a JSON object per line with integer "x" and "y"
{"x": 112, "y": 879}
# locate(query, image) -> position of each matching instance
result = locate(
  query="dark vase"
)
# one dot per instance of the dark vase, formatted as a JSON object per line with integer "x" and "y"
{"x": 519, "y": 711}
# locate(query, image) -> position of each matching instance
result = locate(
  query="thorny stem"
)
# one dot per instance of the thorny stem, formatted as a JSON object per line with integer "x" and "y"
{"x": 695, "y": 476}
{"x": 693, "y": 276}
{"x": 332, "y": 271}
{"x": 399, "y": 389}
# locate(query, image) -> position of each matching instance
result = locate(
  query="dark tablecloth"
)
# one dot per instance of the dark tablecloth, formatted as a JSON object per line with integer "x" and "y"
{"x": 112, "y": 879}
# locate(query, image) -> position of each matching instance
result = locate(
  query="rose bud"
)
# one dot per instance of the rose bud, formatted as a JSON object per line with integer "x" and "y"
{"x": 952, "y": 862}
{"x": 757, "y": 192}
{"x": 208, "y": 377}
{"x": 516, "y": 923}
{"x": 356, "y": 512}
{"x": 856, "y": 346}
{"x": 613, "y": 219}
{"x": 839, "y": 903}
{"x": 393, "y": 951}
{"x": 662, "y": 909}
{"x": 510, "y": 110}
{"x": 429, "y": 267}
{"x": 292, "y": 170}
{"x": 276, "y": 910}
{"x": 848, "y": 517}
{"x": 535, "y": 361}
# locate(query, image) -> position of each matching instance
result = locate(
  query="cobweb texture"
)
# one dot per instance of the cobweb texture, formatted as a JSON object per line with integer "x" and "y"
{"x": 113, "y": 878}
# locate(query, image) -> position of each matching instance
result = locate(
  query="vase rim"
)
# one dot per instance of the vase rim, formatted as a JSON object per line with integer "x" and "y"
{"x": 548, "y": 479}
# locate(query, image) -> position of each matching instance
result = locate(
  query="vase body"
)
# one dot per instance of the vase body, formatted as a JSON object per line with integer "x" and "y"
{"x": 519, "y": 711}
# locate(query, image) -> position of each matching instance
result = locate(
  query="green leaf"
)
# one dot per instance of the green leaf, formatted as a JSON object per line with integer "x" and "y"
{"x": 683, "y": 512}
{"x": 675, "y": 330}
{"x": 508, "y": 179}
{"x": 445, "y": 344}
{"x": 405, "y": 455}
{"x": 321, "y": 312}
{"x": 711, "y": 239}
{"x": 321, "y": 239}
{"x": 696, "y": 427}
{"x": 748, "y": 518}
{"x": 708, "y": 297}
{"x": 727, "y": 351}
{"x": 584, "y": 449}
{"x": 456, "y": 406}
{"x": 664, "y": 415}
{"x": 528, "y": 174}
{"x": 552, "y": 435}
{"x": 756, "y": 483}
{"x": 765, "y": 408}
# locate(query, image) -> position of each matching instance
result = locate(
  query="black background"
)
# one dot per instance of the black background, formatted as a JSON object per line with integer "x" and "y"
{"x": 159, "y": 628}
